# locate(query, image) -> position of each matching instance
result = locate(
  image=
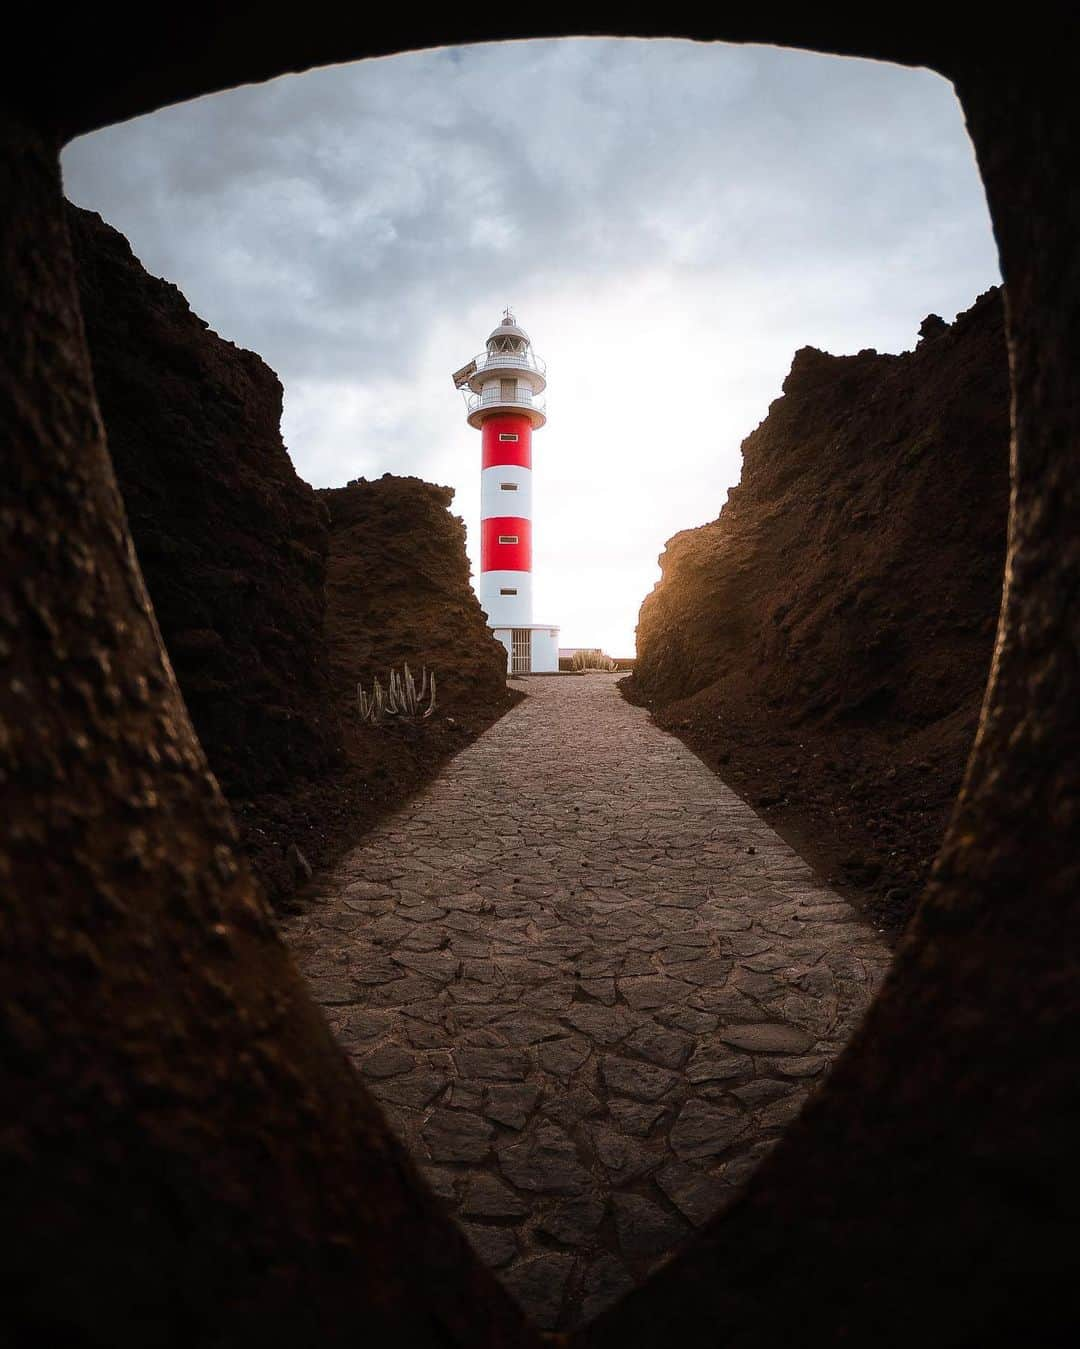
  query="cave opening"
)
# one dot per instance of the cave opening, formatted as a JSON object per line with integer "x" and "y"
{"x": 930, "y": 1157}
{"x": 582, "y": 1103}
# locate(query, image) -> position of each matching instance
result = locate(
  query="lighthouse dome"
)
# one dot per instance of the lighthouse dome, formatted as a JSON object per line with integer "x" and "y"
{"x": 507, "y": 336}
{"x": 506, "y": 376}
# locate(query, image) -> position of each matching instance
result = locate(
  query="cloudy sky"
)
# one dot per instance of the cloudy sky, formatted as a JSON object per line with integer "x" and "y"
{"x": 670, "y": 221}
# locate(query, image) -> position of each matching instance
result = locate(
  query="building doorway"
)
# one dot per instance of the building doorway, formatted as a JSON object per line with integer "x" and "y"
{"x": 521, "y": 651}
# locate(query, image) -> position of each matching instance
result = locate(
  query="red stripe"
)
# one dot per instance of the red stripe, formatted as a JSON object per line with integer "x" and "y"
{"x": 496, "y": 556}
{"x": 496, "y": 452}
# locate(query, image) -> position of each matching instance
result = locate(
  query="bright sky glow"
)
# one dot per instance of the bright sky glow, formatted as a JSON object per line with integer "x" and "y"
{"x": 669, "y": 220}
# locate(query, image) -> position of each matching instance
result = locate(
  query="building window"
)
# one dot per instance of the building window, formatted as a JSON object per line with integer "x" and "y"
{"x": 508, "y": 538}
{"x": 508, "y": 590}
{"x": 508, "y": 486}
{"x": 508, "y": 435}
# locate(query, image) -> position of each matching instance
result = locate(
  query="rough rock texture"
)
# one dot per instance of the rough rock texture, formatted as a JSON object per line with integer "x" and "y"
{"x": 826, "y": 640}
{"x": 398, "y": 590}
{"x": 232, "y": 543}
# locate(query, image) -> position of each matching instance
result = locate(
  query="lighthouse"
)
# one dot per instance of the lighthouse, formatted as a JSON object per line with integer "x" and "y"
{"x": 503, "y": 389}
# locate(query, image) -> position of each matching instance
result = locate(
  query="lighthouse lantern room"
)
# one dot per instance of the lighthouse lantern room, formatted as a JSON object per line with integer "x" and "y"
{"x": 503, "y": 389}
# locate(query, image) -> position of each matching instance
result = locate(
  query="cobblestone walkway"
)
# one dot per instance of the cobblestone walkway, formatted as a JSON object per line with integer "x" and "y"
{"x": 588, "y": 984}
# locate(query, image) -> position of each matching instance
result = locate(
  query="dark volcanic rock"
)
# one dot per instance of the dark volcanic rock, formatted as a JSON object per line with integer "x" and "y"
{"x": 768, "y": 1038}
{"x": 490, "y": 1198}
{"x": 454, "y": 1136}
{"x": 694, "y": 1194}
{"x": 607, "y": 1280}
{"x": 231, "y": 541}
{"x": 547, "y": 1163}
{"x": 573, "y": 1220}
{"x": 825, "y": 642}
{"x": 398, "y": 590}
{"x": 645, "y": 1230}
{"x": 704, "y": 1130}
{"x": 538, "y": 1284}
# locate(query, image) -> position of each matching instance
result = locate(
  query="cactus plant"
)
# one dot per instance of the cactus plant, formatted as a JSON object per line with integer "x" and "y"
{"x": 401, "y": 699}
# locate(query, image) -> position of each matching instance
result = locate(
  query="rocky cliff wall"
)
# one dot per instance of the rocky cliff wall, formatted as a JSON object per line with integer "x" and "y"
{"x": 239, "y": 555}
{"x": 826, "y": 640}
{"x": 398, "y": 590}
{"x": 231, "y": 541}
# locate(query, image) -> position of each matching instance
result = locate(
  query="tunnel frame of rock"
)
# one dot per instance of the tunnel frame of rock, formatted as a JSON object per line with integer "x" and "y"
{"x": 187, "y": 1158}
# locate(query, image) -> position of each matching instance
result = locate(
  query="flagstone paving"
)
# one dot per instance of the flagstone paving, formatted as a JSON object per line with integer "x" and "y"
{"x": 589, "y": 987}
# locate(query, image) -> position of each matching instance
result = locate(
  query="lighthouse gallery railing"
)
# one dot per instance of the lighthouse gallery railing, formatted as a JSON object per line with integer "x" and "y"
{"x": 522, "y": 398}
{"x": 501, "y": 360}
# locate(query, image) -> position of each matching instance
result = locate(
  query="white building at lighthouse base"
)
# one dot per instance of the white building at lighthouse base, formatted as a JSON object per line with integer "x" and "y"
{"x": 533, "y": 649}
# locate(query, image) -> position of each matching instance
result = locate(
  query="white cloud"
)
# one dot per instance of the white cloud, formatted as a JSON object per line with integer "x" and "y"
{"x": 671, "y": 220}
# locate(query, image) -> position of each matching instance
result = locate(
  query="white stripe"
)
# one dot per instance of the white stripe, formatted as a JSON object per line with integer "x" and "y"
{"x": 506, "y": 611}
{"x": 495, "y": 499}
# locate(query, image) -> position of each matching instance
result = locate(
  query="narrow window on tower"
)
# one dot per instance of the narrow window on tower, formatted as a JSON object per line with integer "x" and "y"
{"x": 508, "y": 538}
{"x": 508, "y": 590}
{"x": 508, "y": 486}
{"x": 508, "y": 435}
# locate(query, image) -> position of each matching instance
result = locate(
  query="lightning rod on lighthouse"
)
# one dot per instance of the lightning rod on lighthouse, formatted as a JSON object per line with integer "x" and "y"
{"x": 503, "y": 387}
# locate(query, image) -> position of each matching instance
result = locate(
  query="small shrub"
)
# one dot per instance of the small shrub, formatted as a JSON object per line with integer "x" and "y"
{"x": 401, "y": 699}
{"x": 593, "y": 660}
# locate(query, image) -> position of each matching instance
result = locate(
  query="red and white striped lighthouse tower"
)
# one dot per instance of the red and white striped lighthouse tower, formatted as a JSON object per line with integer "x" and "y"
{"x": 504, "y": 383}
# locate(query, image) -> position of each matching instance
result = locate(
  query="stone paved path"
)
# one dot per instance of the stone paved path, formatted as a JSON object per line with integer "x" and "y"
{"x": 588, "y": 984}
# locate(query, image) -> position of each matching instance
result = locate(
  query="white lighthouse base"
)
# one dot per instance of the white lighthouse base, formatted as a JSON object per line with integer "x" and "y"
{"x": 531, "y": 649}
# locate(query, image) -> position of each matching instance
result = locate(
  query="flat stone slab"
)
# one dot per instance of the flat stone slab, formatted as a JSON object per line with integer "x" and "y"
{"x": 388, "y": 1062}
{"x": 706, "y": 1130}
{"x": 694, "y": 1193}
{"x": 548, "y": 1163}
{"x": 632, "y": 1077}
{"x": 499, "y": 1065}
{"x": 588, "y": 986}
{"x": 487, "y": 1197}
{"x": 454, "y": 1136}
{"x": 623, "y": 1158}
{"x": 539, "y": 1284}
{"x": 511, "y": 1105}
{"x": 605, "y": 1282}
{"x": 767, "y": 1038}
{"x": 573, "y": 1220}
{"x": 496, "y": 1246}
{"x": 414, "y": 1089}
{"x": 646, "y": 1230}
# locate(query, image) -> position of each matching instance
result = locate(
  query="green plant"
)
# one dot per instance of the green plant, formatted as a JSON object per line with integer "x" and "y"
{"x": 402, "y": 699}
{"x": 592, "y": 660}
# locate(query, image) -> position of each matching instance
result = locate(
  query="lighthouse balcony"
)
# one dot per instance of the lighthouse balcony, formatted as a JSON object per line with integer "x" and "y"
{"x": 521, "y": 365}
{"x": 520, "y": 400}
